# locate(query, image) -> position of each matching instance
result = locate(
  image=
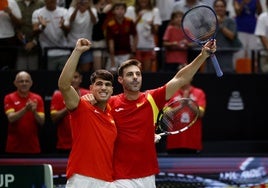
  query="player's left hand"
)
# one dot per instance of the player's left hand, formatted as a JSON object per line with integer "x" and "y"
{"x": 90, "y": 98}
{"x": 209, "y": 48}
{"x": 157, "y": 138}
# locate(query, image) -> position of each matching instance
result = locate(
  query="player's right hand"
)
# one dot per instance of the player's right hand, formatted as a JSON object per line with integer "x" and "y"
{"x": 83, "y": 44}
{"x": 209, "y": 48}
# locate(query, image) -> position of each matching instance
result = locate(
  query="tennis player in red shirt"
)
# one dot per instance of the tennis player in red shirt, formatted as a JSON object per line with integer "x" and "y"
{"x": 135, "y": 112}
{"x": 25, "y": 113}
{"x": 93, "y": 128}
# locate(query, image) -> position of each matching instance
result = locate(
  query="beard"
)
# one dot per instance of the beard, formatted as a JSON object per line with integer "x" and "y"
{"x": 133, "y": 86}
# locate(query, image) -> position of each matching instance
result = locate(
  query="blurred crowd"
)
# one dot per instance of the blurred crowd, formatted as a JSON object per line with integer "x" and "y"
{"x": 40, "y": 34}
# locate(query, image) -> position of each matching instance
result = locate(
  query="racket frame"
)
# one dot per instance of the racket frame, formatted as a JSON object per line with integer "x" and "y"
{"x": 160, "y": 115}
{"x": 201, "y": 43}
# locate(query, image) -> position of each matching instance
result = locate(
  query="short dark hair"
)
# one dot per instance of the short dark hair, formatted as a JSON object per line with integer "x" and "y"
{"x": 102, "y": 74}
{"x": 119, "y": 4}
{"x": 223, "y": 1}
{"x": 175, "y": 14}
{"x": 127, "y": 64}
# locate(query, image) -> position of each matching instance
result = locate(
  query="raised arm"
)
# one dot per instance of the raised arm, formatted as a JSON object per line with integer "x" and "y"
{"x": 186, "y": 74}
{"x": 70, "y": 96}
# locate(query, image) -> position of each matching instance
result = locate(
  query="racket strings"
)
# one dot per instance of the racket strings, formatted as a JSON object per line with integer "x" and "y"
{"x": 178, "y": 116}
{"x": 170, "y": 116}
{"x": 200, "y": 24}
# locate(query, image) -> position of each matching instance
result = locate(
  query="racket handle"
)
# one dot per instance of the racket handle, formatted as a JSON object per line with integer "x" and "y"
{"x": 162, "y": 134}
{"x": 216, "y": 65}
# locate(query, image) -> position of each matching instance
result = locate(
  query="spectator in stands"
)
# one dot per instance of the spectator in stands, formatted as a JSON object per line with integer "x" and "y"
{"x": 147, "y": 20}
{"x": 25, "y": 113}
{"x": 189, "y": 141}
{"x": 247, "y": 12}
{"x": 226, "y": 39}
{"x": 165, "y": 10}
{"x": 48, "y": 24}
{"x": 79, "y": 23}
{"x": 175, "y": 43}
{"x": 185, "y": 5}
{"x": 262, "y": 32}
{"x": 104, "y": 13}
{"x": 121, "y": 37}
{"x": 29, "y": 49}
{"x": 60, "y": 116}
{"x": 10, "y": 17}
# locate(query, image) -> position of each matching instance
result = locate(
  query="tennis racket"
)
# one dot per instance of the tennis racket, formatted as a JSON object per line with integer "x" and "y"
{"x": 177, "y": 116}
{"x": 200, "y": 24}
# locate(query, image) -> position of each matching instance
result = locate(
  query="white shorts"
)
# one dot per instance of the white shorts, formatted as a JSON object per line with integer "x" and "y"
{"x": 87, "y": 182}
{"x": 119, "y": 59}
{"x": 146, "y": 182}
{"x": 103, "y": 48}
{"x": 250, "y": 42}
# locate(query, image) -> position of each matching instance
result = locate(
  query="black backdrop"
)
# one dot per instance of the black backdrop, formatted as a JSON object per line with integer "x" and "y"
{"x": 221, "y": 125}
